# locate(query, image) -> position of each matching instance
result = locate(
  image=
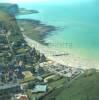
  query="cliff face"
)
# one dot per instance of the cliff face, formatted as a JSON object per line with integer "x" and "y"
{"x": 10, "y": 8}
{"x": 8, "y": 23}
{"x": 11, "y": 38}
{"x": 13, "y": 9}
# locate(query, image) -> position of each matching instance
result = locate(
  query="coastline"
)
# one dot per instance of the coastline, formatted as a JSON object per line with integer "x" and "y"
{"x": 68, "y": 60}
{"x": 35, "y": 29}
{"x": 35, "y": 38}
{"x": 23, "y": 11}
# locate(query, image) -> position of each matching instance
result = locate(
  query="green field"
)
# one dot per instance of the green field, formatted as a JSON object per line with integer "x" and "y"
{"x": 86, "y": 87}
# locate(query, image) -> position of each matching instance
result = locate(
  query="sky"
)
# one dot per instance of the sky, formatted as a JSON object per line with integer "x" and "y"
{"x": 66, "y": 2}
{"x": 44, "y": 1}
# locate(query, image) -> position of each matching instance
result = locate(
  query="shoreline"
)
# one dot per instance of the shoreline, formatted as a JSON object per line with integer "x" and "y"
{"x": 35, "y": 29}
{"x": 24, "y": 11}
{"x": 68, "y": 60}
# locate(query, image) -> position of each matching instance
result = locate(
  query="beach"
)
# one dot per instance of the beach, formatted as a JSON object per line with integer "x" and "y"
{"x": 68, "y": 60}
{"x": 76, "y": 25}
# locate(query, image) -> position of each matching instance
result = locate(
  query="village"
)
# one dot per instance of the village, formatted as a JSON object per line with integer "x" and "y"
{"x": 27, "y": 74}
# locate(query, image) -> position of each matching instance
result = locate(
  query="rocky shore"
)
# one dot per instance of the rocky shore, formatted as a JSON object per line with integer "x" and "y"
{"x": 35, "y": 29}
{"x": 23, "y": 11}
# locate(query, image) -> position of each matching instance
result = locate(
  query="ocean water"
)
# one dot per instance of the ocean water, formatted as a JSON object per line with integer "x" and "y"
{"x": 78, "y": 26}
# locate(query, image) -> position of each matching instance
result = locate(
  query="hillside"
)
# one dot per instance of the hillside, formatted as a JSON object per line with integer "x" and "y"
{"x": 8, "y": 23}
{"x": 86, "y": 87}
{"x": 12, "y": 44}
{"x": 9, "y": 34}
{"x": 17, "y": 59}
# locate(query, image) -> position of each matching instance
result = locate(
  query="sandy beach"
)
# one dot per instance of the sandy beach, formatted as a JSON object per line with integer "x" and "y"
{"x": 64, "y": 58}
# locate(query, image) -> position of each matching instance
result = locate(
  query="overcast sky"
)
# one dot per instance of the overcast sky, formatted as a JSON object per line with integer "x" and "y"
{"x": 46, "y": 1}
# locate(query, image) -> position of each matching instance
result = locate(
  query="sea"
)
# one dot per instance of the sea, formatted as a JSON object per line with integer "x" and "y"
{"x": 77, "y": 26}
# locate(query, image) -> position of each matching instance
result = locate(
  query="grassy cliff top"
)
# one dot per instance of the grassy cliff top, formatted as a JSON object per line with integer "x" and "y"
{"x": 10, "y": 24}
{"x": 8, "y": 20}
{"x": 85, "y": 87}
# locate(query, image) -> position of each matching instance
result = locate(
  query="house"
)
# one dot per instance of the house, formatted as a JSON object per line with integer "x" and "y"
{"x": 19, "y": 72}
{"x": 21, "y": 97}
{"x": 48, "y": 78}
{"x": 1, "y": 70}
{"x": 40, "y": 88}
{"x": 3, "y": 38}
{"x": 10, "y": 87}
{"x": 42, "y": 58}
{"x": 4, "y": 47}
{"x": 27, "y": 74}
{"x": 39, "y": 78}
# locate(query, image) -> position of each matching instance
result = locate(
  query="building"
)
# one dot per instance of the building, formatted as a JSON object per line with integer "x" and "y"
{"x": 10, "y": 88}
{"x": 40, "y": 88}
{"x": 27, "y": 74}
{"x": 49, "y": 78}
{"x": 1, "y": 71}
{"x": 21, "y": 97}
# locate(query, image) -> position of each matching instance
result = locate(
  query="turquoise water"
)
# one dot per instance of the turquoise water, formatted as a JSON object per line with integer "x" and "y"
{"x": 78, "y": 25}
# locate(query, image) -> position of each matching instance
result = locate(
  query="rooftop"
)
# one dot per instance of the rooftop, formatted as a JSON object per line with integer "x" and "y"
{"x": 40, "y": 88}
{"x": 8, "y": 86}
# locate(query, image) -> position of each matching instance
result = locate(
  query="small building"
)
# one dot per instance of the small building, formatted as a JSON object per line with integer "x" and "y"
{"x": 39, "y": 78}
{"x": 27, "y": 74}
{"x": 42, "y": 58}
{"x": 22, "y": 29}
{"x": 19, "y": 71}
{"x": 4, "y": 46}
{"x": 10, "y": 87}
{"x": 49, "y": 78}
{"x": 40, "y": 88}
{"x": 1, "y": 70}
{"x": 21, "y": 97}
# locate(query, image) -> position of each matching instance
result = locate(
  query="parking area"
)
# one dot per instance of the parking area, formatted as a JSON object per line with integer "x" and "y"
{"x": 62, "y": 70}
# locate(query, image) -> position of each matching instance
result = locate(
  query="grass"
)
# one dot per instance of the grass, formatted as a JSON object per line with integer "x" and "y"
{"x": 84, "y": 88}
{"x": 57, "y": 83}
{"x": 30, "y": 31}
{"x": 21, "y": 50}
{"x": 25, "y": 80}
{"x": 8, "y": 21}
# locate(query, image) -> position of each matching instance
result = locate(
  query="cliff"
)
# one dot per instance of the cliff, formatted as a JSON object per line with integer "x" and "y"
{"x": 9, "y": 29}
{"x": 10, "y": 8}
